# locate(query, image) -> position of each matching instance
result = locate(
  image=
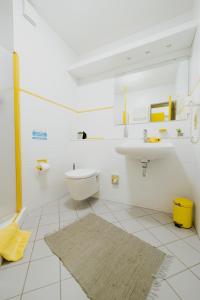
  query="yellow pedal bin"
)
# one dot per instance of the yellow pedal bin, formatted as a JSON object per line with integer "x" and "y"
{"x": 182, "y": 212}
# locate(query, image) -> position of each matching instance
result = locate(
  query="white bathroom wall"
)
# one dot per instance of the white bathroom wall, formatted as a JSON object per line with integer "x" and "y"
{"x": 44, "y": 58}
{"x": 6, "y": 24}
{"x": 165, "y": 179}
{"x": 7, "y": 137}
{"x": 195, "y": 90}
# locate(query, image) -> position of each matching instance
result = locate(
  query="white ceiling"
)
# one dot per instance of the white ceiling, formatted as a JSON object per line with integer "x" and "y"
{"x": 90, "y": 24}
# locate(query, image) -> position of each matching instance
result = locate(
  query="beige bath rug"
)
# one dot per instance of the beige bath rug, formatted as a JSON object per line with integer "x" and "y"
{"x": 108, "y": 263}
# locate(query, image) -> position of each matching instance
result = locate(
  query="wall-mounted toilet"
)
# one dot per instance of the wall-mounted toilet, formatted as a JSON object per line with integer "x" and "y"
{"x": 82, "y": 183}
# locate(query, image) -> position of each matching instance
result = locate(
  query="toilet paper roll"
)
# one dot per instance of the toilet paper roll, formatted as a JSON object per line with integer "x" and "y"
{"x": 43, "y": 167}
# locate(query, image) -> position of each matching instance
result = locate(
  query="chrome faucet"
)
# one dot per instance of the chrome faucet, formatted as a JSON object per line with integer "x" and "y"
{"x": 145, "y": 135}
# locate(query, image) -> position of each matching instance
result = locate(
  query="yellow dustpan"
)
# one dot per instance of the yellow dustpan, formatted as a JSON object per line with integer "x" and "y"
{"x": 13, "y": 242}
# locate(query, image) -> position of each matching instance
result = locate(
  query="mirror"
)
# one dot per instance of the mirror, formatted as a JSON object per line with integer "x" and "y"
{"x": 155, "y": 95}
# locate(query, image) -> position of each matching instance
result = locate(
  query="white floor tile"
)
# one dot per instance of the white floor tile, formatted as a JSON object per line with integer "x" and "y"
{"x": 98, "y": 206}
{"x": 148, "y": 222}
{"x": 66, "y": 205}
{"x": 132, "y": 226}
{"x": 162, "y": 218}
{"x": 46, "y": 270}
{"x": 175, "y": 265}
{"x": 50, "y": 210}
{"x": 180, "y": 232}
{"x": 49, "y": 219}
{"x": 40, "y": 250}
{"x": 136, "y": 212}
{"x": 149, "y": 211}
{"x": 165, "y": 250}
{"x": 51, "y": 292}
{"x": 12, "y": 280}
{"x": 42, "y": 272}
{"x": 108, "y": 217}
{"x": 194, "y": 241}
{"x": 185, "y": 253}
{"x": 186, "y": 285}
{"x": 100, "y": 209}
{"x": 122, "y": 215}
{"x": 148, "y": 238}
{"x": 71, "y": 290}
{"x": 115, "y": 206}
{"x": 196, "y": 270}
{"x": 65, "y": 274}
{"x": 163, "y": 234}
{"x": 84, "y": 212}
{"x": 165, "y": 292}
{"x": 31, "y": 222}
{"x": 67, "y": 222}
{"x": 33, "y": 234}
{"x": 45, "y": 230}
{"x": 35, "y": 212}
{"x": 68, "y": 215}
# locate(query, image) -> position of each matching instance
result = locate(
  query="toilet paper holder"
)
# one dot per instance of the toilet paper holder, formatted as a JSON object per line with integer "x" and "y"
{"x": 42, "y": 165}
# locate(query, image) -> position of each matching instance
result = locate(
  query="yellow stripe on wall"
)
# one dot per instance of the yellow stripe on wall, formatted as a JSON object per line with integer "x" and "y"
{"x": 50, "y": 101}
{"x": 17, "y": 132}
{"x": 42, "y": 98}
{"x": 81, "y": 111}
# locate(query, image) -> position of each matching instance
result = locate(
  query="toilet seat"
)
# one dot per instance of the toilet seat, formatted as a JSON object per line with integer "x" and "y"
{"x": 81, "y": 173}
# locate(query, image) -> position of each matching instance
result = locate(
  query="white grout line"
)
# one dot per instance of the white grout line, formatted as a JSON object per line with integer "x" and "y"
{"x": 174, "y": 290}
{"x": 37, "y": 289}
{"x": 30, "y": 260}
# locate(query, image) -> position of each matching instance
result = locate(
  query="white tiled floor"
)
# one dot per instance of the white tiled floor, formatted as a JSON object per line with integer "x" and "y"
{"x": 40, "y": 275}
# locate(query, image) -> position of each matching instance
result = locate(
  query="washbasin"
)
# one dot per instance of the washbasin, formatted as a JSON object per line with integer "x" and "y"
{"x": 145, "y": 151}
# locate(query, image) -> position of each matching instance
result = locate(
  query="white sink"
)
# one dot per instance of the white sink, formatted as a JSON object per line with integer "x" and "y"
{"x": 145, "y": 151}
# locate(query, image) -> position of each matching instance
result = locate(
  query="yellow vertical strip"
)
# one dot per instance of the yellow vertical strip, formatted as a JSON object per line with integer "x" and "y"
{"x": 17, "y": 131}
{"x": 170, "y": 108}
{"x": 124, "y": 113}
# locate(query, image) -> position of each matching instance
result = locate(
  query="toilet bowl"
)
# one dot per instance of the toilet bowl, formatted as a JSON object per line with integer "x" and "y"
{"x": 82, "y": 183}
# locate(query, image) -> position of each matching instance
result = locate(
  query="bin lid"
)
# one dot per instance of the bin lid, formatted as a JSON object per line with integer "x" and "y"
{"x": 183, "y": 202}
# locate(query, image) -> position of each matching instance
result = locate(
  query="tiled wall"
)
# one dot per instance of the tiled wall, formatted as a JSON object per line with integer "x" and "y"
{"x": 166, "y": 179}
{"x": 44, "y": 58}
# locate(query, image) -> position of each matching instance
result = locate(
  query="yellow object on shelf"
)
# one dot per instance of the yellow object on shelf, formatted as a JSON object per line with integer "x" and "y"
{"x": 170, "y": 108}
{"x": 163, "y": 130}
{"x": 182, "y": 212}
{"x": 153, "y": 140}
{"x": 124, "y": 117}
{"x": 157, "y": 117}
{"x": 13, "y": 242}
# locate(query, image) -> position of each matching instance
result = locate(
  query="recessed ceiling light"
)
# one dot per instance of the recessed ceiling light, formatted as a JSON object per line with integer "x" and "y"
{"x": 147, "y": 52}
{"x": 168, "y": 45}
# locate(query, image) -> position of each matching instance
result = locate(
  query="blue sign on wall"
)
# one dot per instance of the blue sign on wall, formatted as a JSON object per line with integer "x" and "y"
{"x": 39, "y": 135}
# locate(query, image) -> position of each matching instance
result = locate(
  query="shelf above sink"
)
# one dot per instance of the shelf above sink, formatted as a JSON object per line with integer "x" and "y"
{"x": 141, "y": 151}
